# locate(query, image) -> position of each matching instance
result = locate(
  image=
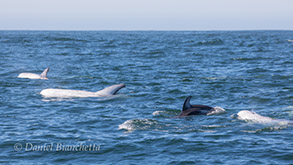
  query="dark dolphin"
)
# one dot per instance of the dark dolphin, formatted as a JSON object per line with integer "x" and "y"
{"x": 188, "y": 109}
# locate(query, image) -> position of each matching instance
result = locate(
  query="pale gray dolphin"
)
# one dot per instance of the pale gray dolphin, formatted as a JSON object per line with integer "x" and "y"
{"x": 68, "y": 93}
{"x": 35, "y": 76}
{"x": 253, "y": 117}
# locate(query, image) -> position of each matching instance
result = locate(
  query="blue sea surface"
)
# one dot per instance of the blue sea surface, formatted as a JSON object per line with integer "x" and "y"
{"x": 235, "y": 70}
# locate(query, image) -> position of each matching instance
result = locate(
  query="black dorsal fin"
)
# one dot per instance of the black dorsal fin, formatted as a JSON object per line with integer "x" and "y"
{"x": 187, "y": 104}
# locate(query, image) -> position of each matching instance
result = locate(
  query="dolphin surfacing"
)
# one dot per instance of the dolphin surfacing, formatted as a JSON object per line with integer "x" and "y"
{"x": 252, "y": 117}
{"x": 68, "y": 93}
{"x": 188, "y": 109}
{"x": 35, "y": 76}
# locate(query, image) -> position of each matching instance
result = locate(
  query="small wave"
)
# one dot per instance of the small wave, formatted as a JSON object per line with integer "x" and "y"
{"x": 267, "y": 129}
{"x": 138, "y": 124}
{"x": 289, "y": 107}
{"x": 166, "y": 113}
{"x": 56, "y": 99}
{"x": 174, "y": 91}
{"x": 210, "y": 43}
{"x": 289, "y": 110}
{"x": 250, "y": 58}
{"x": 65, "y": 39}
{"x": 207, "y": 131}
{"x": 218, "y": 110}
{"x": 112, "y": 97}
{"x": 257, "y": 70}
{"x": 212, "y": 126}
{"x": 215, "y": 78}
{"x": 158, "y": 113}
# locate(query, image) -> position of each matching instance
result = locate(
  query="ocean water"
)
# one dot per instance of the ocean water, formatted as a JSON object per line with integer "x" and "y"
{"x": 233, "y": 70}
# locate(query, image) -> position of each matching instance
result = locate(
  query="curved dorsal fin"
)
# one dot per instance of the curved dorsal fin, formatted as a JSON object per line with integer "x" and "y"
{"x": 44, "y": 73}
{"x": 111, "y": 90}
{"x": 187, "y": 104}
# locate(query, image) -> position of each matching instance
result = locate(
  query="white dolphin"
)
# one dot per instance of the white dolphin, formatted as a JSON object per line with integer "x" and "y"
{"x": 253, "y": 117}
{"x": 67, "y": 93}
{"x": 35, "y": 76}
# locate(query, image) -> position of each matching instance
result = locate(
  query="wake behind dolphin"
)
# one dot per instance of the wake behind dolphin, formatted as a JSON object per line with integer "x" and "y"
{"x": 67, "y": 93}
{"x": 35, "y": 76}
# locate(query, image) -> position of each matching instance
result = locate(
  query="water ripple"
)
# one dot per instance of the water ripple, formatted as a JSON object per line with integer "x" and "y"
{"x": 235, "y": 70}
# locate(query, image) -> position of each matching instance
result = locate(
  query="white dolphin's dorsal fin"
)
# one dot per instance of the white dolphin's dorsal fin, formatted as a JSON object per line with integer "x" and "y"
{"x": 44, "y": 73}
{"x": 111, "y": 90}
{"x": 187, "y": 104}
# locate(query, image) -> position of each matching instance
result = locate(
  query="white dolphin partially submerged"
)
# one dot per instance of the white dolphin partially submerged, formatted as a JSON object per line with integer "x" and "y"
{"x": 67, "y": 93}
{"x": 35, "y": 76}
{"x": 253, "y": 117}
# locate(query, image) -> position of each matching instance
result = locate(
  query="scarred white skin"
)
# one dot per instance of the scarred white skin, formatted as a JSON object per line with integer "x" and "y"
{"x": 35, "y": 76}
{"x": 253, "y": 117}
{"x": 67, "y": 93}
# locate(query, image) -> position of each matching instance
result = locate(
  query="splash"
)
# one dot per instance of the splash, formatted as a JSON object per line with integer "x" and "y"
{"x": 217, "y": 110}
{"x": 158, "y": 113}
{"x": 138, "y": 124}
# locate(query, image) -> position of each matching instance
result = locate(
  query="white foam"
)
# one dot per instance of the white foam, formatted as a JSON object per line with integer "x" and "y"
{"x": 289, "y": 107}
{"x": 217, "y": 110}
{"x": 157, "y": 113}
{"x": 137, "y": 124}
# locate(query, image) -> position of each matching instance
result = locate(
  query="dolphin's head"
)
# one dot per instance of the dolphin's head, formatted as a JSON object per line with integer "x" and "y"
{"x": 111, "y": 90}
{"x": 247, "y": 115}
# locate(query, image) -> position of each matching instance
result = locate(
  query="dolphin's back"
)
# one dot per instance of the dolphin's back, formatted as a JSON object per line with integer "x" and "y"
{"x": 189, "y": 109}
{"x": 253, "y": 117}
{"x": 66, "y": 93}
{"x": 34, "y": 76}
{"x": 203, "y": 107}
{"x": 195, "y": 111}
{"x": 29, "y": 76}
